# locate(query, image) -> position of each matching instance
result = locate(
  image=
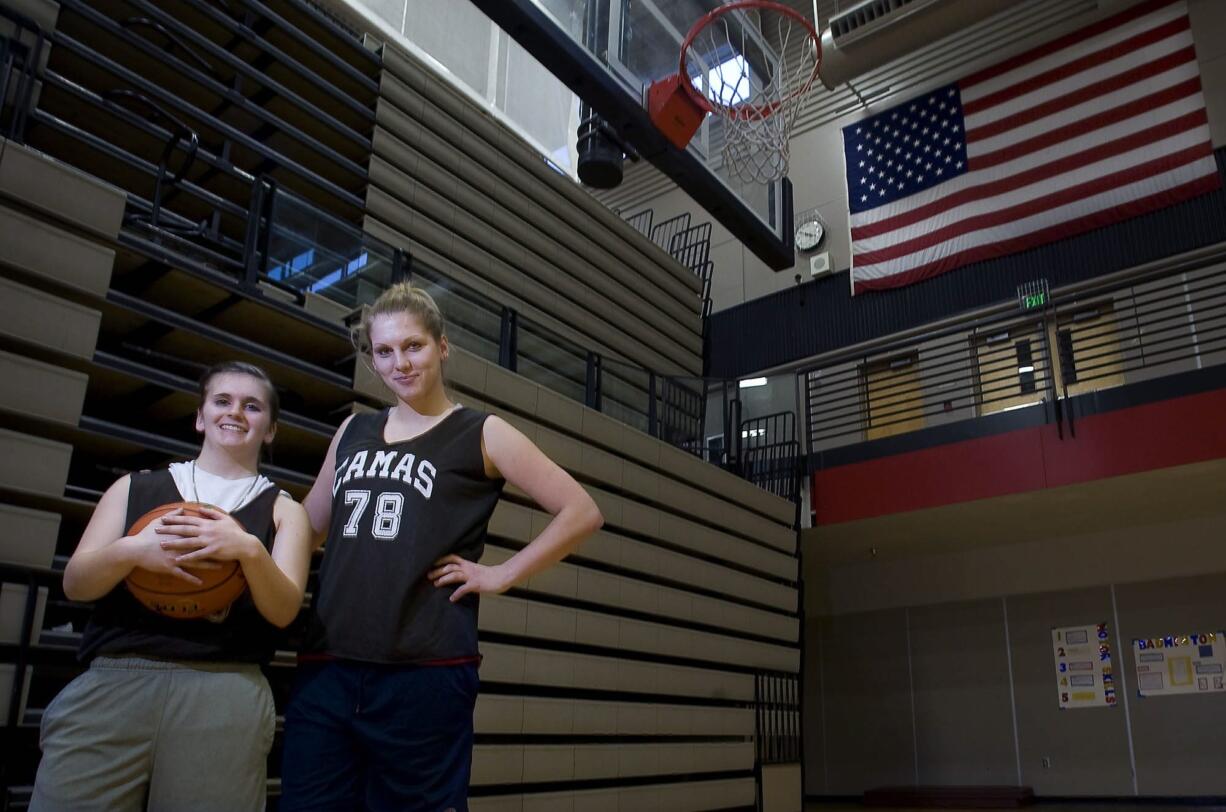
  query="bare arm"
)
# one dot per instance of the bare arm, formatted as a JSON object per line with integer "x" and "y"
{"x": 285, "y": 581}
{"x": 105, "y": 556}
{"x": 318, "y": 503}
{"x": 575, "y": 516}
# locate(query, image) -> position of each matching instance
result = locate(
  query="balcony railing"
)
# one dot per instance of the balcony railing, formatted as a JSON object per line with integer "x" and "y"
{"x": 308, "y": 250}
{"x": 295, "y": 246}
{"x": 186, "y": 206}
{"x": 1134, "y": 326}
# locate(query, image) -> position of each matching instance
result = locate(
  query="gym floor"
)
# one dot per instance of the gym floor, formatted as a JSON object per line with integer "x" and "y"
{"x": 1088, "y": 806}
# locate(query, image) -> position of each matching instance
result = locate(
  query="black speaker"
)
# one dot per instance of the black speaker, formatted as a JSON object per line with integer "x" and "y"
{"x": 600, "y": 155}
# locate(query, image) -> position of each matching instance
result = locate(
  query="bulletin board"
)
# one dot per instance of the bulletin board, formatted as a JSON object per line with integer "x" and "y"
{"x": 1180, "y": 663}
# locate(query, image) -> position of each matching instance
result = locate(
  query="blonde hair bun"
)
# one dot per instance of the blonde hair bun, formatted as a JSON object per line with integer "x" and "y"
{"x": 401, "y": 297}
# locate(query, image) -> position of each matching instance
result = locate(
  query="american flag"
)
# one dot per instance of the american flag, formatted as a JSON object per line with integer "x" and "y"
{"x": 1095, "y": 127}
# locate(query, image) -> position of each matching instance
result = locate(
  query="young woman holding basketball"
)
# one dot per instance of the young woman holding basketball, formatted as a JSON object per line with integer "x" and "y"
{"x": 381, "y": 713}
{"x": 174, "y": 714}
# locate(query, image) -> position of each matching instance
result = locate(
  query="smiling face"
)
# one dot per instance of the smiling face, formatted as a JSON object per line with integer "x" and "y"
{"x": 235, "y": 414}
{"x": 407, "y": 357}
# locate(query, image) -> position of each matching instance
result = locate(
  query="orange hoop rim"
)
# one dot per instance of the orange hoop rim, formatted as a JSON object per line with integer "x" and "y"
{"x": 748, "y": 112}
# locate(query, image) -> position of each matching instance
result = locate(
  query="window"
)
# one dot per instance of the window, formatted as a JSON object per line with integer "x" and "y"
{"x": 728, "y": 82}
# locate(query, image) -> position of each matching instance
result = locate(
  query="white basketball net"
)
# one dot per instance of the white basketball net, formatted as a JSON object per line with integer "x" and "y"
{"x": 757, "y": 102}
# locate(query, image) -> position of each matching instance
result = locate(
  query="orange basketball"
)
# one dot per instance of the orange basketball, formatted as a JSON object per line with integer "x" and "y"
{"x": 174, "y": 597}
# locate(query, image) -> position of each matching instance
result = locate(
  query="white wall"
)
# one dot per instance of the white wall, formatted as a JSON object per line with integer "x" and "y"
{"x": 1209, "y": 32}
{"x": 817, "y": 160}
{"x": 488, "y": 65}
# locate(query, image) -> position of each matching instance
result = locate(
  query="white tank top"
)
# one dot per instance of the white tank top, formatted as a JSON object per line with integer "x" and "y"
{"x": 198, "y": 485}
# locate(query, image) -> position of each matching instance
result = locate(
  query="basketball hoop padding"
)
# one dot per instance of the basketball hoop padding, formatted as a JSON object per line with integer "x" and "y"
{"x": 674, "y": 111}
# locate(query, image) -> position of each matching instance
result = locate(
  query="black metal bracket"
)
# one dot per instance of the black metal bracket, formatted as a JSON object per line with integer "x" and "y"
{"x": 402, "y": 266}
{"x": 653, "y": 422}
{"x": 1055, "y": 364}
{"x": 259, "y": 226}
{"x": 591, "y": 397}
{"x": 732, "y": 435}
{"x": 23, "y": 651}
{"x": 174, "y": 41}
{"x": 24, "y": 86}
{"x": 508, "y": 340}
{"x": 180, "y": 133}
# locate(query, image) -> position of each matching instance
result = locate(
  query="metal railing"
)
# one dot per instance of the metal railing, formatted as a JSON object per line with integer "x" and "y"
{"x": 22, "y": 44}
{"x": 692, "y": 248}
{"x": 952, "y": 375}
{"x": 776, "y": 718}
{"x": 99, "y": 102}
{"x": 770, "y": 455}
{"x": 641, "y": 221}
{"x": 1104, "y": 333}
{"x": 297, "y": 247}
{"x": 689, "y": 245}
{"x": 662, "y": 232}
{"x": 310, "y": 251}
{"x": 176, "y": 157}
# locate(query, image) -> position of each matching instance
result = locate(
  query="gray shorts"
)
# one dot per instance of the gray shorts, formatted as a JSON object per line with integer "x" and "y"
{"x": 134, "y": 734}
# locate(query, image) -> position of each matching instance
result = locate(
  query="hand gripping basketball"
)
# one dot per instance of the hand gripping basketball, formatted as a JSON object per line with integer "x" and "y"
{"x": 174, "y": 597}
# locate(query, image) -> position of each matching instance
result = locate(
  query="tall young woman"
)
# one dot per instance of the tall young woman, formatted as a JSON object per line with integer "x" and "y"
{"x": 381, "y": 713}
{"x": 174, "y": 714}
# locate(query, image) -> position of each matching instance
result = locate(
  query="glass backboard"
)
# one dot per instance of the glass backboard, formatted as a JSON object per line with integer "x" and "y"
{"x": 610, "y": 51}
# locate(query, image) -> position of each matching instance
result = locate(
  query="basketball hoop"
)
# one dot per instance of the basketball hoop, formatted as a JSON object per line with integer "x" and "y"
{"x": 757, "y": 98}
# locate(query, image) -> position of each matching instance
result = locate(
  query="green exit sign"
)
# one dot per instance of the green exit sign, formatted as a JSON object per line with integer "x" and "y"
{"x": 1034, "y": 295}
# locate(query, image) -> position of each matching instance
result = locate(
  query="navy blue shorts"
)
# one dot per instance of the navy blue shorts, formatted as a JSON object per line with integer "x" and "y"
{"x": 364, "y": 736}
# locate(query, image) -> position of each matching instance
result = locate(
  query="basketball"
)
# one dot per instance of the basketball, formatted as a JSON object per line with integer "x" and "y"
{"x": 173, "y": 597}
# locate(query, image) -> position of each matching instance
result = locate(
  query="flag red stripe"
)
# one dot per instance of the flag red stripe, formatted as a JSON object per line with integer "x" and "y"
{"x": 1069, "y": 228}
{"x": 1113, "y": 83}
{"x": 1068, "y": 163}
{"x": 1106, "y": 118}
{"x": 1101, "y": 57}
{"x": 1102, "y": 26}
{"x": 1062, "y": 197}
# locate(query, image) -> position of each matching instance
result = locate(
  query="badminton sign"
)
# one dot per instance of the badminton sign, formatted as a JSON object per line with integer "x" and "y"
{"x": 1180, "y": 663}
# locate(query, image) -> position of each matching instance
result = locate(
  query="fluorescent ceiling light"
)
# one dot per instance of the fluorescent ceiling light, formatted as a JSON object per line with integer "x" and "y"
{"x": 750, "y": 382}
{"x": 1024, "y": 370}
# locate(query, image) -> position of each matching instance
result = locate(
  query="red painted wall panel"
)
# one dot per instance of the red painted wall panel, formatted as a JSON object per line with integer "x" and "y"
{"x": 1155, "y": 435}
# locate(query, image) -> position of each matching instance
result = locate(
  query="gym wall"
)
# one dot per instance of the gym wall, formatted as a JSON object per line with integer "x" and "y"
{"x": 477, "y": 201}
{"x": 631, "y": 663}
{"x": 817, "y": 148}
{"x": 624, "y": 677}
{"x": 658, "y": 614}
{"x": 962, "y": 691}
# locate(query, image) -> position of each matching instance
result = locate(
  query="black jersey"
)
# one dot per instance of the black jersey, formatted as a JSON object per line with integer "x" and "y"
{"x": 396, "y": 509}
{"x": 120, "y": 624}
